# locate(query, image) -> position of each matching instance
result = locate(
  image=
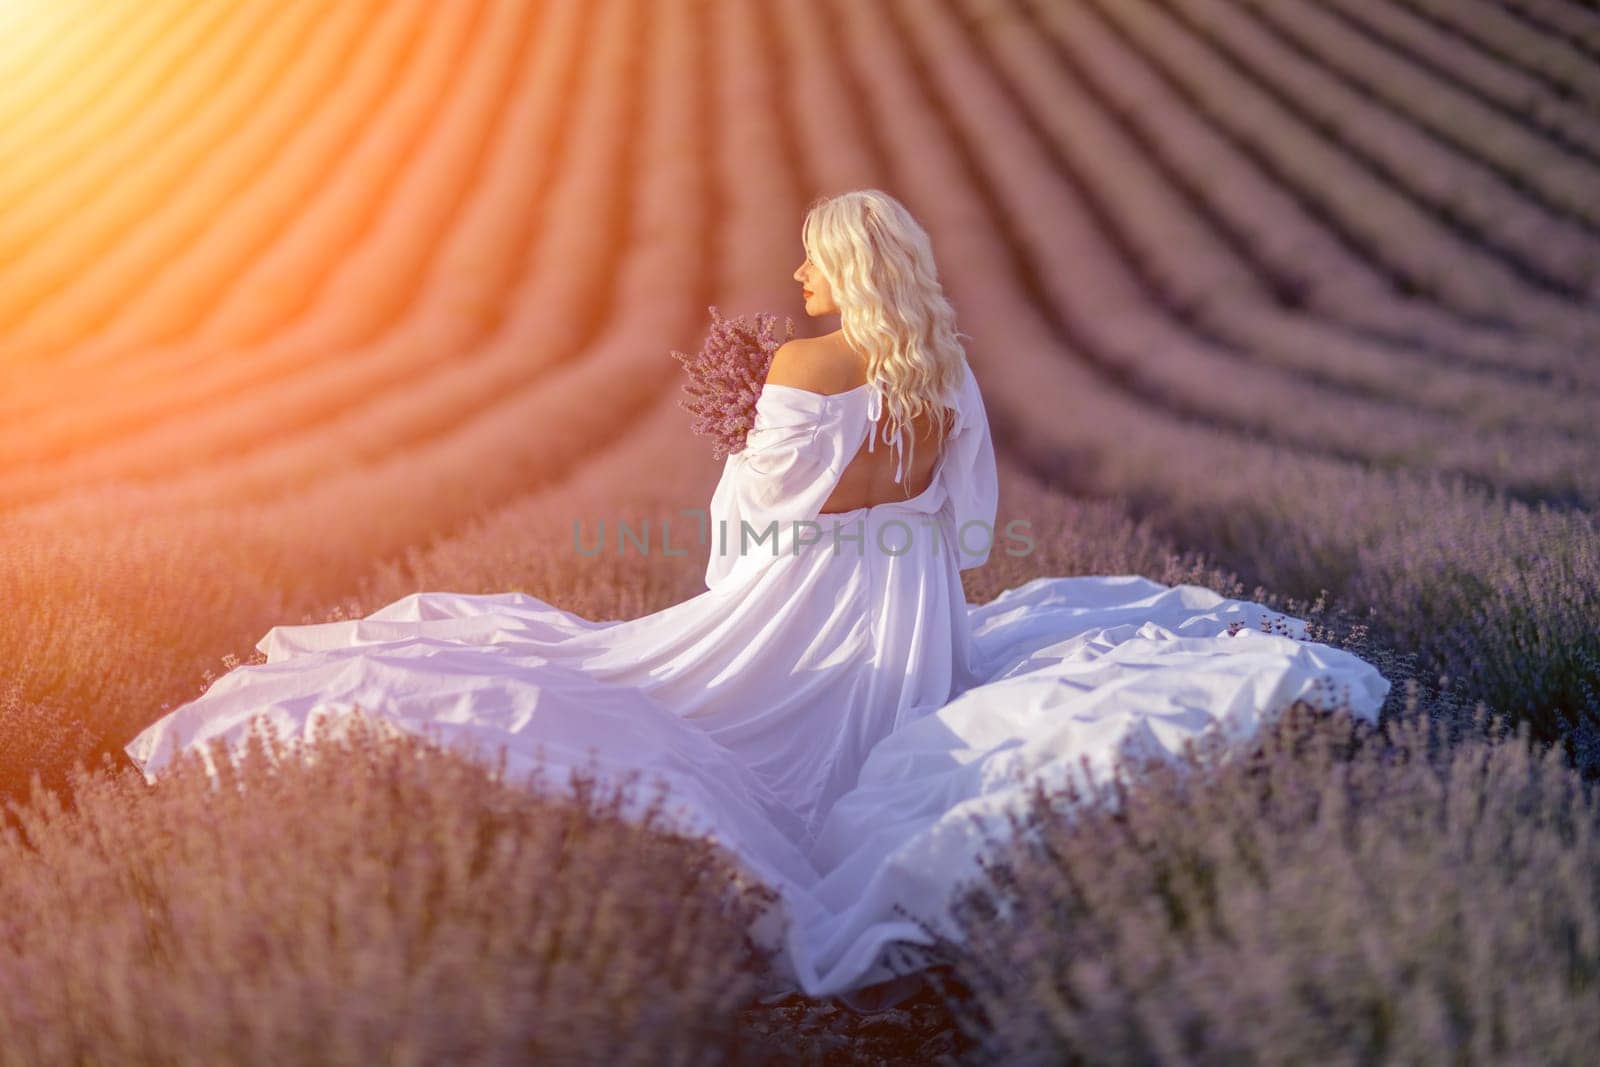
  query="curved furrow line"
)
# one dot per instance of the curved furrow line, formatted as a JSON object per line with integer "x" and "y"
{"x": 1137, "y": 348}
{"x": 928, "y": 165}
{"x": 39, "y": 45}
{"x": 1197, "y": 280}
{"x": 906, "y": 149}
{"x": 652, "y": 458}
{"x": 389, "y": 503}
{"x": 823, "y": 100}
{"x": 85, "y": 210}
{"x": 1452, "y": 190}
{"x": 1554, "y": 180}
{"x": 82, "y": 165}
{"x": 77, "y": 99}
{"x": 778, "y": 64}
{"x": 388, "y": 271}
{"x": 1026, "y": 383}
{"x": 1423, "y": 257}
{"x": 1297, "y": 523}
{"x": 399, "y": 387}
{"x": 844, "y": 128}
{"x": 88, "y": 273}
{"x": 1579, "y": 29}
{"x": 559, "y": 313}
{"x": 1164, "y": 369}
{"x": 272, "y": 299}
{"x": 572, "y": 297}
{"x": 758, "y": 235}
{"x": 24, "y": 36}
{"x": 435, "y": 184}
{"x": 654, "y": 463}
{"x": 1493, "y": 83}
{"x": 342, "y": 198}
{"x": 1304, "y": 260}
{"x": 1494, "y": 32}
{"x": 239, "y": 282}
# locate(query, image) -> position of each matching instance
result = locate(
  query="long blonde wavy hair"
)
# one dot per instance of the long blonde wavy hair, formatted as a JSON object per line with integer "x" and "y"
{"x": 879, "y": 263}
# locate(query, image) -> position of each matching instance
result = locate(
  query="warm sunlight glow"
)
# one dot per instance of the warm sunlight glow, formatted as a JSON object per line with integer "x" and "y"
{"x": 155, "y": 152}
{"x": 461, "y": 596}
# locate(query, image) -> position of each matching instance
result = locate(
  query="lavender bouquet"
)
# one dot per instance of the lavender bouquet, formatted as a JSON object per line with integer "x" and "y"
{"x": 726, "y": 375}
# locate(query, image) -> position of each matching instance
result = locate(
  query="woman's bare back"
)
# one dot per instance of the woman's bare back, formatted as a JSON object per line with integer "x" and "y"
{"x": 868, "y": 479}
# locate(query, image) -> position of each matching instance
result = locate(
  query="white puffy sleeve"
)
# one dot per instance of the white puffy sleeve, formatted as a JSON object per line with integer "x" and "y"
{"x": 791, "y": 461}
{"x": 971, "y": 479}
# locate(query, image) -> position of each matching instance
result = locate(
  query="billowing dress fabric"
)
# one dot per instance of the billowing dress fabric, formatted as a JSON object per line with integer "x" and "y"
{"x": 830, "y": 709}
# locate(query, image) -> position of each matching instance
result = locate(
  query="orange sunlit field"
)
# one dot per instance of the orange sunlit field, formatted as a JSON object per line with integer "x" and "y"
{"x": 309, "y": 304}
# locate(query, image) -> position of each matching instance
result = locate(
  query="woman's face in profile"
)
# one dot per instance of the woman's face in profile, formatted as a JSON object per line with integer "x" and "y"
{"x": 815, "y": 290}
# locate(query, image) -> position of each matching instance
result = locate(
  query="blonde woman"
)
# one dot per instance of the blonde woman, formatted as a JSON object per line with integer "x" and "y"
{"x": 897, "y": 332}
{"x": 831, "y": 708}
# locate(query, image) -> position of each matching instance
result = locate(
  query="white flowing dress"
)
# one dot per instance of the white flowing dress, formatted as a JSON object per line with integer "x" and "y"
{"x": 831, "y": 709}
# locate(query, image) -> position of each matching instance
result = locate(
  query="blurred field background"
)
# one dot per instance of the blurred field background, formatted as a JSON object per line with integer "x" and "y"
{"x": 309, "y": 304}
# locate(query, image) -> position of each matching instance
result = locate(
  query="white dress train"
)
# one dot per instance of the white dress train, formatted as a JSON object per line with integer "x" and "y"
{"x": 830, "y": 709}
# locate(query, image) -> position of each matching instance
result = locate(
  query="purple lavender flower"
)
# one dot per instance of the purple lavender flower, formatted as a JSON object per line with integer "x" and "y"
{"x": 726, "y": 375}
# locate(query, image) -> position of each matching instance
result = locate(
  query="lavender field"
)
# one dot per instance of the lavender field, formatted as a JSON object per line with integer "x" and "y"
{"x": 308, "y": 305}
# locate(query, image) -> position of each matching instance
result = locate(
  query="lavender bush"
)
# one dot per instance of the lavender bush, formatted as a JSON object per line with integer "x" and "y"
{"x": 365, "y": 899}
{"x": 1338, "y": 335}
{"x": 77, "y": 885}
{"x": 1338, "y": 894}
{"x": 726, "y": 375}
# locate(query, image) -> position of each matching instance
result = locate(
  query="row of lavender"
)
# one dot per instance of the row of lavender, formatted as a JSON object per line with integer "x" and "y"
{"x": 1115, "y": 192}
{"x": 1177, "y": 377}
{"x": 1497, "y": 594}
{"x": 219, "y": 521}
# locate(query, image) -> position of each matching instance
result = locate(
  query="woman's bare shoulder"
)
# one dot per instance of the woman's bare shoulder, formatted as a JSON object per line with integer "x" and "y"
{"x": 825, "y": 364}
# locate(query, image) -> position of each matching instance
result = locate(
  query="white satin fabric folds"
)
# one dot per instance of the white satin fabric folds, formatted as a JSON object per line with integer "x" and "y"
{"x": 830, "y": 709}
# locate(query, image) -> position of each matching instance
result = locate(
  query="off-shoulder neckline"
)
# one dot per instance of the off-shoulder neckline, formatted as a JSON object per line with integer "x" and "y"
{"x": 954, "y": 395}
{"x": 813, "y": 392}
